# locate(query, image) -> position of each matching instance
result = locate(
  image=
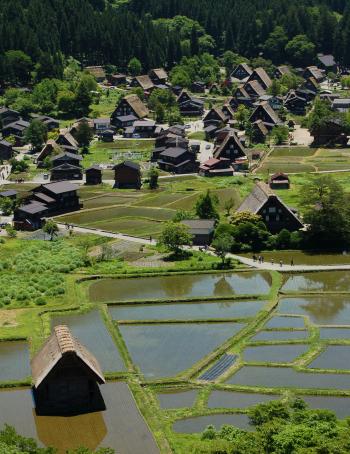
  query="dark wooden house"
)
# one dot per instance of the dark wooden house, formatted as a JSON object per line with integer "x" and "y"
{"x": 97, "y": 72}
{"x": 265, "y": 113}
{"x": 216, "y": 167}
{"x": 216, "y": 117}
{"x": 198, "y": 87}
{"x": 259, "y": 132}
{"x": 202, "y": 230}
{"x": 66, "y": 377}
{"x": 127, "y": 175}
{"x": 66, "y": 166}
{"x": 189, "y": 105}
{"x": 331, "y": 133}
{"x": 8, "y": 116}
{"x": 241, "y": 72}
{"x": 230, "y": 147}
{"x": 280, "y": 71}
{"x": 178, "y": 160}
{"x": 93, "y": 175}
{"x": 158, "y": 76}
{"x": 144, "y": 82}
{"x": 50, "y": 149}
{"x": 279, "y": 181}
{"x": 254, "y": 89}
{"x": 295, "y": 103}
{"x": 315, "y": 72}
{"x": 6, "y": 150}
{"x": 274, "y": 212}
{"x": 117, "y": 79}
{"x": 129, "y": 105}
{"x": 46, "y": 200}
{"x": 327, "y": 63}
{"x": 261, "y": 76}
{"x": 17, "y": 130}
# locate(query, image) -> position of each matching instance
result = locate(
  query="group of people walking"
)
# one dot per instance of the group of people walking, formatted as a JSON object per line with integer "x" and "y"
{"x": 260, "y": 259}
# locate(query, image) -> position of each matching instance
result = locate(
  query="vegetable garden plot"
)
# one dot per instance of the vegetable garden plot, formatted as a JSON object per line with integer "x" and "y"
{"x": 168, "y": 349}
{"x": 90, "y": 330}
{"x": 334, "y": 357}
{"x": 200, "y": 423}
{"x": 327, "y": 281}
{"x": 286, "y": 377}
{"x": 180, "y": 286}
{"x": 14, "y": 360}
{"x": 191, "y": 311}
{"x": 274, "y": 353}
{"x": 322, "y": 310}
{"x": 177, "y": 399}
{"x": 228, "y": 399}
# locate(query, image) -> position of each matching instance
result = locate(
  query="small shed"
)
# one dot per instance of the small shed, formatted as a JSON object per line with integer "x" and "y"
{"x": 66, "y": 376}
{"x": 279, "y": 181}
{"x": 10, "y": 194}
{"x": 202, "y": 230}
{"x": 127, "y": 175}
{"x": 93, "y": 175}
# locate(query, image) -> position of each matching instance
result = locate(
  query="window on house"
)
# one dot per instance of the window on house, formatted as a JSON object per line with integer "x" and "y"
{"x": 272, "y": 210}
{"x": 267, "y": 218}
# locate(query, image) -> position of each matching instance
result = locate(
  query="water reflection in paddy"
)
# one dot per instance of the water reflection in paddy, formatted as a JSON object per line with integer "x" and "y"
{"x": 286, "y": 377}
{"x": 280, "y": 335}
{"x": 179, "y": 399}
{"x": 14, "y": 360}
{"x": 167, "y": 349}
{"x": 228, "y": 399}
{"x": 323, "y": 310}
{"x": 180, "y": 286}
{"x": 111, "y": 428}
{"x": 340, "y": 405}
{"x": 200, "y": 423}
{"x": 92, "y": 332}
{"x": 326, "y": 281}
{"x": 334, "y": 357}
{"x": 274, "y": 353}
{"x": 183, "y": 311}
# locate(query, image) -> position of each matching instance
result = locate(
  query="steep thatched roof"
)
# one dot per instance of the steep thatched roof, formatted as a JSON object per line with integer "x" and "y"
{"x": 137, "y": 105}
{"x": 60, "y": 344}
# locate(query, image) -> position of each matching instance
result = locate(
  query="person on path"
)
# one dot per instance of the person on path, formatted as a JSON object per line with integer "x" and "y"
{"x": 281, "y": 263}
{"x": 292, "y": 262}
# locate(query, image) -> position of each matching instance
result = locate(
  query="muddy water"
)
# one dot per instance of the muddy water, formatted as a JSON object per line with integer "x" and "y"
{"x": 91, "y": 331}
{"x": 322, "y": 310}
{"x": 274, "y": 353}
{"x": 184, "y": 286}
{"x": 180, "y": 399}
{"x": 280, "y": 335}
{"x": 327, "y": 281}
{"x": 193, "y": 311}
{"x": 198, "y": 424}
{"x": 227, "y": 399}
{"x": 334, "y": 357}
{"x": 167, "y": 349}
{"x": 14, "y": 360}
{"x": 285, "y": 377}
{"x": 111, "y": 428}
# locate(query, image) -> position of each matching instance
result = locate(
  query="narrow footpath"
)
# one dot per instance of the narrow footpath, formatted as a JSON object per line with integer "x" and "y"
{"x": 265, "y": 266}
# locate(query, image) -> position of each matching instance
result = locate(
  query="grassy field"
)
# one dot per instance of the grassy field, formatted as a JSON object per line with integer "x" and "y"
{"x": 305, "y": 160}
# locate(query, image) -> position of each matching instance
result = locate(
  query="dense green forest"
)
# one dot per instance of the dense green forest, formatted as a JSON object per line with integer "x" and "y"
{"x": 160, "y": 32}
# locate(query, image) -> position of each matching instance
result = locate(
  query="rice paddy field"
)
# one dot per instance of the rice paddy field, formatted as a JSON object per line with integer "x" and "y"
{"x": 159, "y": 338}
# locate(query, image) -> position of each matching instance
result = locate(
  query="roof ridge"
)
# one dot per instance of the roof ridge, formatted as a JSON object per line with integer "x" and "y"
{"x": 65, "y": 339}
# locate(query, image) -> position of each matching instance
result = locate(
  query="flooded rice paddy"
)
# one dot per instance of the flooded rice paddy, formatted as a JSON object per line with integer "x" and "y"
{"x": 326, "y": 281}
{"x": 14, "y": 360}
{"x": 334, "y": 357}
{"x": 91, "y": 331}
{"x": 280, "y": 335}
{"x": 200, "y": 423}
{"x": 335, "y": 333}
{"x": 120, "y": 427}
{"x": 180, "y": 286}
{"x": 305, "y": 258}
{"x": 340, "y": 405}
{"x": 228, "y": 399}
{"x": 322, "y": 310}
{"x": 177, "y": 399}
{"x": 273, "y": 353}
{"x": 166, "y": 350}
{"x": 285, "y": 322}
{"x": 192, "y": 311}
{"x": 285, "y": 377}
